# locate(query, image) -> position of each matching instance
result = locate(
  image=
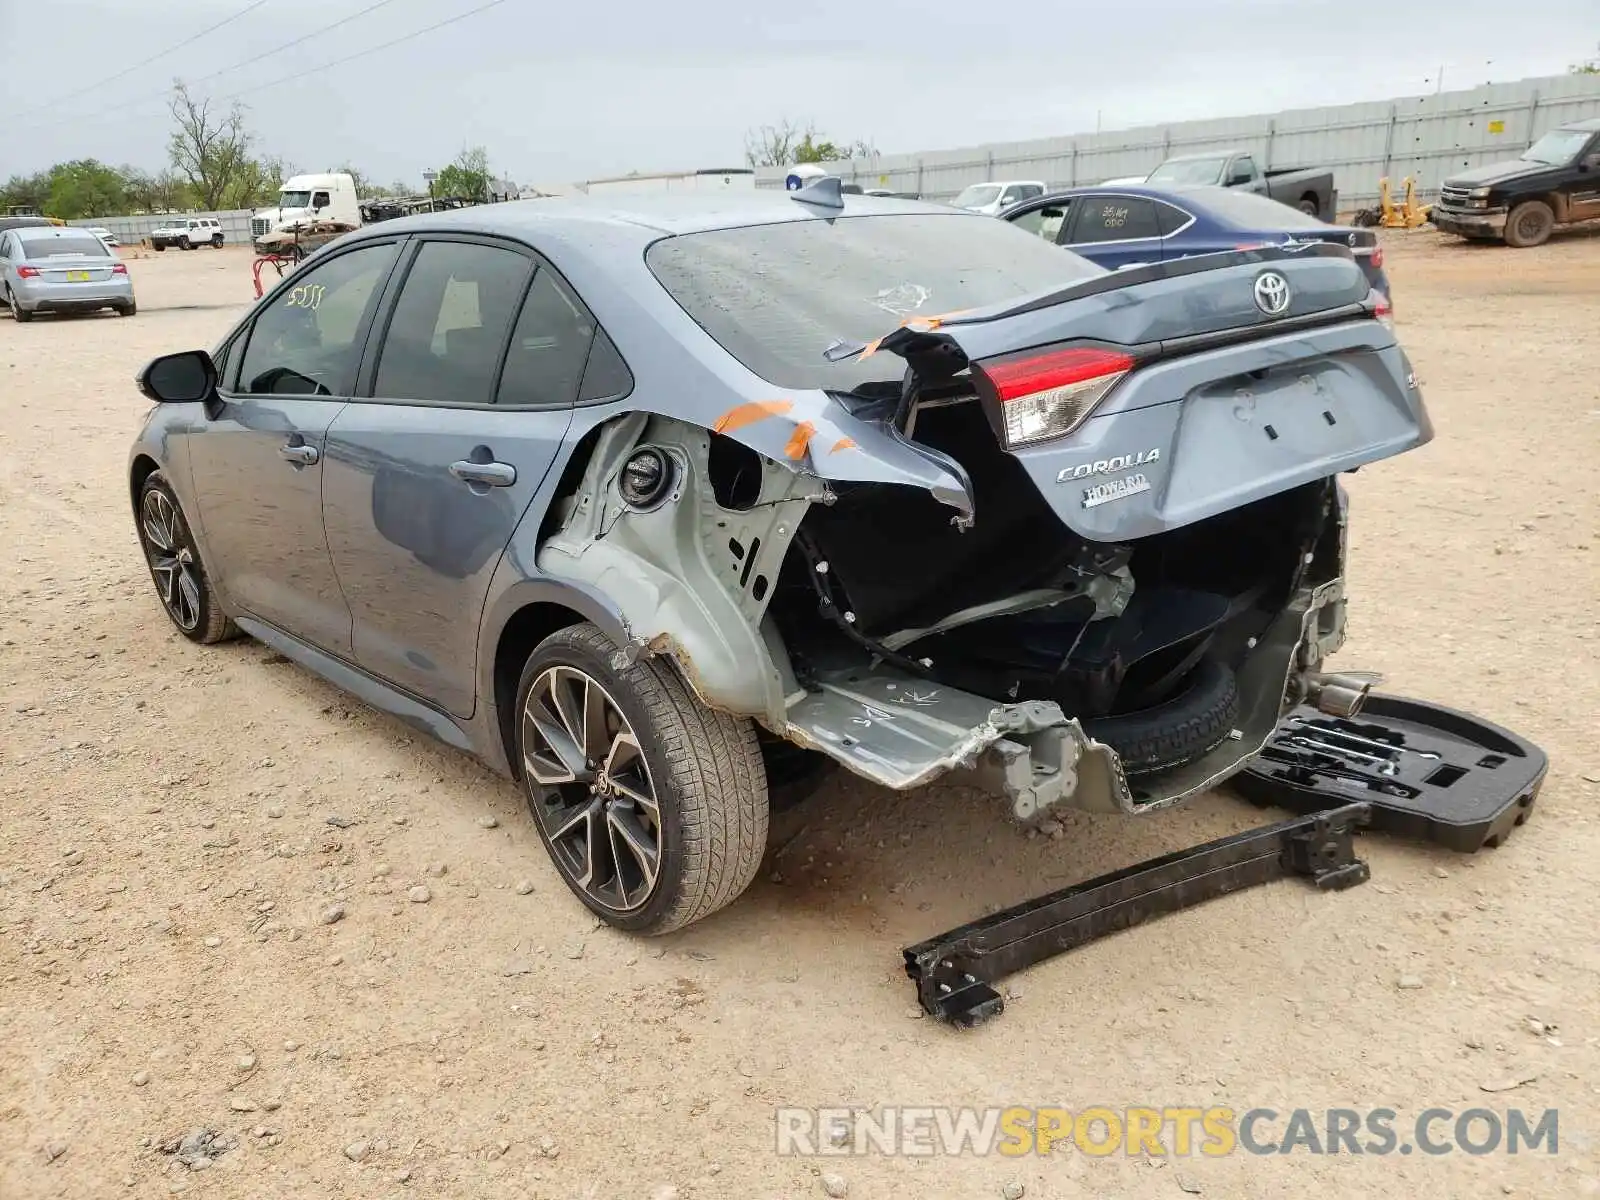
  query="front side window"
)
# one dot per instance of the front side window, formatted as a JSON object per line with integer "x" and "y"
{"x": 450, "y": 323}
{"x": 320, "y": 200}
{"x": 1046, "y": 220}
{"x": 305, "y": 342}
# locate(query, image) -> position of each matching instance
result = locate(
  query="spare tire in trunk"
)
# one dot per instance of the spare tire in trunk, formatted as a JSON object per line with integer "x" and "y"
{"x": 1192, "y": 723}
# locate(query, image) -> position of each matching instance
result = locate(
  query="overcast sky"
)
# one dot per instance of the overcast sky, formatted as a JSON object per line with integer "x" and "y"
{"x": 566, "y": 91}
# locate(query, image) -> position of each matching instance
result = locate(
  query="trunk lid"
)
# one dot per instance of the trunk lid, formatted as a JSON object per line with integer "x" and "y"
{"x": 72, "y": 268}
{"x": 1209, "y": 402}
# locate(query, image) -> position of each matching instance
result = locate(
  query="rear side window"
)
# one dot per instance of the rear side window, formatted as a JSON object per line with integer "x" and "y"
{"x": 1172, "y": 219}
{"x": 776, "y": 296}
{"x": 451, "y": 322}
{"x": 35, "y": 248}
{"x": 549, "y": 347}
{"x": 1114, "y": 219}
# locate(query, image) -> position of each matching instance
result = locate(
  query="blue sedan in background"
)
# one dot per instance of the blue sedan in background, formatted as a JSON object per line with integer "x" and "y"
{"x": 1128, "y": 225}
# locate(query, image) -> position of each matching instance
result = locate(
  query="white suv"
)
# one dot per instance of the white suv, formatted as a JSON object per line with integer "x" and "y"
{"x": 188, "y": 234}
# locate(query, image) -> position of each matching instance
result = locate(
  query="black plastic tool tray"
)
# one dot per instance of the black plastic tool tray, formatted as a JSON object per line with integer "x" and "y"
{"x": 1427, "y": 771}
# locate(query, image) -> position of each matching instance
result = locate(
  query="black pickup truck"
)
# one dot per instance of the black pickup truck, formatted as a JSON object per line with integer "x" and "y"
{"x": 1556, "y": 181}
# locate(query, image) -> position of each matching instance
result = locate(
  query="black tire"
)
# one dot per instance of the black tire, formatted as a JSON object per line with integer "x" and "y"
{"x": 1308, "y": 205}
{"x": 128, "y": 309}
{"x": 192, "y": 609}
{"x": 185, "y": 244}
{"x": 703, "y": 768}
{"x": 216, "y": 241}
{"x": 1192, "y": 723}
{"x": 158, "y": 247}
{"x": 1530, "y": 224}
{"x": 19, "y": 314}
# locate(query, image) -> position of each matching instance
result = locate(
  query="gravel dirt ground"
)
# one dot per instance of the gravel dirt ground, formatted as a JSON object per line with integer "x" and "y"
{"x": 208, "y": 914}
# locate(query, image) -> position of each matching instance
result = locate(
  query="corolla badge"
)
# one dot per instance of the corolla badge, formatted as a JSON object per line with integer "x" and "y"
{"x": 1106, "y": 466}
{"x": 1272, "y": 293}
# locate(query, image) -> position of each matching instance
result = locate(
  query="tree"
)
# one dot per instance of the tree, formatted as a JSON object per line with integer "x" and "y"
{"x": 86, "y": 188}
{"x": 212, "y": 151}
{"x": 27, "y": 191}
{"x": 467, "y": 176}
{"x": 787, "y": 143}
{"x": 1589, "y": 66}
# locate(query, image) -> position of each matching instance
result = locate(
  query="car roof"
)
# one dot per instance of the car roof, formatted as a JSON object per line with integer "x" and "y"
{"x": 1590, "y": 126}
{"x": 593, "y": 222}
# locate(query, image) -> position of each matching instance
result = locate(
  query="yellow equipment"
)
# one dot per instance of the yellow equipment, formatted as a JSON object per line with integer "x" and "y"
{"x": 1409, "y": 215}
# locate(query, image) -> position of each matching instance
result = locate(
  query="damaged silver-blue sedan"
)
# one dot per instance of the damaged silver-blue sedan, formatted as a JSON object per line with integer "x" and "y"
{"x": 667, "y": 505}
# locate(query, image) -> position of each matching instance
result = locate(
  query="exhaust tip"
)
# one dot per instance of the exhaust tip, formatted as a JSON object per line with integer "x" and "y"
{"x": 1340, "y": 695}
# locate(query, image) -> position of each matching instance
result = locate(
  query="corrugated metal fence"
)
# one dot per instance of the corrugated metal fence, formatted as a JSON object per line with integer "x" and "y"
{"x": 1427, "y": 137}
{"x": 235, "y": 225}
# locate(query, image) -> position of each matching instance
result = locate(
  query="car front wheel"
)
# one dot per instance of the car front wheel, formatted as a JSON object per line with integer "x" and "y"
{"x": 652, "y": 806}
{"x": 180, "y": 577}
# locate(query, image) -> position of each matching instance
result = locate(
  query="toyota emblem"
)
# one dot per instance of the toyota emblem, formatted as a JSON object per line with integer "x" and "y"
{"x": 1272, "y": 293}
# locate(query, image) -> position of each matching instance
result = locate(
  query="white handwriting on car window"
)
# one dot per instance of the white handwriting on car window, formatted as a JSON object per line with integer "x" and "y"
{"x": 308, "y": 295}
{"x": 1113, "y": 217}
{"x": 901, "y": 299}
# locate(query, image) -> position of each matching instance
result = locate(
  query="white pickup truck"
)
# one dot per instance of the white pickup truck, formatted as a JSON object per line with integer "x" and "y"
{"x": 188, "y": 234}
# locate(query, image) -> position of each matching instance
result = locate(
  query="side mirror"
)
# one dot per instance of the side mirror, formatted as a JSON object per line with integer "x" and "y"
{"x": 184, "y": 378}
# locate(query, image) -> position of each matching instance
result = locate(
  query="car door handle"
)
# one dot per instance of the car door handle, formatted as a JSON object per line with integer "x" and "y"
{"x": 299, "y": 453}
{"x": 490, "y": 474}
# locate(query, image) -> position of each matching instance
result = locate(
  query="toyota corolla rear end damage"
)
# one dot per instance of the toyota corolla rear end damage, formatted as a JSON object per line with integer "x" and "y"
{"x": 1084, "y": 541}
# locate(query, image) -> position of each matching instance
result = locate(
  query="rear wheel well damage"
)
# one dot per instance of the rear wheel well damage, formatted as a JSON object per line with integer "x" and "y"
{"x": 690, "y": 572}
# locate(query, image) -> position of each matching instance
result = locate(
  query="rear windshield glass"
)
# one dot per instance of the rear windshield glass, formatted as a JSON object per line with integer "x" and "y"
{"x": 66, "y": 243}
{"x": 1248, "y": 210}
{"x": 776, "y": 296}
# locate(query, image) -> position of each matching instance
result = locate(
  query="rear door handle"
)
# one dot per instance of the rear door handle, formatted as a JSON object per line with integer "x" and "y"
{"x": 299, "y": 453}
{"x": 490, "y": 474}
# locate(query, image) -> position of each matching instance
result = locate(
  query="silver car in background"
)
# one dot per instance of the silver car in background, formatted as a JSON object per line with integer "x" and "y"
{"x": 57, "y": 269}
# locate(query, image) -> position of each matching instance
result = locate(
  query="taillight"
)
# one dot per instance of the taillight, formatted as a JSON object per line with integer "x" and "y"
{"x": 27, "y": 272}
{"x": 1047, "y": 394}
{"x": 1377, "y": 256}
{"x": 119, "y": 268}
{"x": 1382, "y": 309}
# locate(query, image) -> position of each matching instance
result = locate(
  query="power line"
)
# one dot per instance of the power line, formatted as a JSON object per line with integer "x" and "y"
{"x": 339, "y": 62}
{"x": 249, "y": 8}
{"x": 122, "y": 105}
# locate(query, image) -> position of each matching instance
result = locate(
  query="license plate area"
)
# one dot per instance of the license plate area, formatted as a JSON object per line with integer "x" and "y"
{"x": 77, "y": 277}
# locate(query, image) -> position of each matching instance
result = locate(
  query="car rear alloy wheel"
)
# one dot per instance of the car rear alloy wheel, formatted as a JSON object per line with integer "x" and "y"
{"x": 653, "y": 807}
{"x": 180, "y": 578}
{"x": 599, "y": 812}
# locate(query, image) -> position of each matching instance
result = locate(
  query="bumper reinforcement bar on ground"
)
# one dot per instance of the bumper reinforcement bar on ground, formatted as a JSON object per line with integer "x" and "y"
{"x": 955, "y": 972}
{"x": 1402, "y": 766}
